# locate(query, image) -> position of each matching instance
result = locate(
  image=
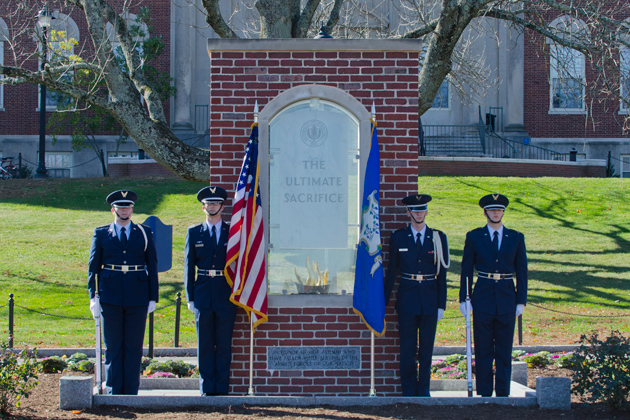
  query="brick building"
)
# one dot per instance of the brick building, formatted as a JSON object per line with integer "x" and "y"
{"x": 521, "y": 106}
{"x": 19, "y": 105}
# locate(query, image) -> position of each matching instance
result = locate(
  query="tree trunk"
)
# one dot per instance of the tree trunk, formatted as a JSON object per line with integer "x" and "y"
{"x": 452, "y": 22}
{"x": 278, "y": 18}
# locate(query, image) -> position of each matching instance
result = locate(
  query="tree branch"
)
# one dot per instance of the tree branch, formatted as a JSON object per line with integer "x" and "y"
{"x": 333, "y": 18}
{"x": 18, "y": 75}
{"x": 306, "y": 17}
{"x": 545, "y": 31}
{"x": 215, "y": 19}
{"x": 420, "y": 32}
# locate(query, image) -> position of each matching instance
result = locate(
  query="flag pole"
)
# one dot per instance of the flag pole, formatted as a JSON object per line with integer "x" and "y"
{"x": 372, "y": 338}
{"x": 250, "y": 390}
{"x": 468, "y": 343}
{"x": 372, "y": 387}
{"x": 98, "y": 363}
{"x": 256, "y": 112}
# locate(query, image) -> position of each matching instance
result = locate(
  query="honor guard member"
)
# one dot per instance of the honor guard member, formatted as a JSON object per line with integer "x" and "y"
{"x": 499, "y": 295}
{"x": 208, "y": 293}
{"x": 123, "y": 265}
{"x": 421, "y": 256}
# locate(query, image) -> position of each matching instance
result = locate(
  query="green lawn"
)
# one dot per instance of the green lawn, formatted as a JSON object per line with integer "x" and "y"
{"x": 576, "y": 230}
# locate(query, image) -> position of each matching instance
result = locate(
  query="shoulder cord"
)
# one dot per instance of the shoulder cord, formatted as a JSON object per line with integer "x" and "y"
{"x": 146, "y": 241}
{"x": 438, "y": 258}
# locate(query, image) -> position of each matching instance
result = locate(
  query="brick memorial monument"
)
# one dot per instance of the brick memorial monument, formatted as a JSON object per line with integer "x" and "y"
{"x": 314, "y": 96}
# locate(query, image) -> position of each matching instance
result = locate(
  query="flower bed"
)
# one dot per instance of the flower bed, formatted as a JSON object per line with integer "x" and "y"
{"x": 454, "y": 366}
{"x": 151, "y": 368}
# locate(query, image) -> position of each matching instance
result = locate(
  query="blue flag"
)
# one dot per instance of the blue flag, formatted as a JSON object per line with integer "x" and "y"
{"x": 369, "y": 296}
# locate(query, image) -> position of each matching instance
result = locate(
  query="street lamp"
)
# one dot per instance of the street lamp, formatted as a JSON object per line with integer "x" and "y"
{"x": 44, "y": 19}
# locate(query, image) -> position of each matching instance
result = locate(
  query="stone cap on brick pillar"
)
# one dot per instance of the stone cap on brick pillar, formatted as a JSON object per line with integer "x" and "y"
{"x": 303, "y": 44}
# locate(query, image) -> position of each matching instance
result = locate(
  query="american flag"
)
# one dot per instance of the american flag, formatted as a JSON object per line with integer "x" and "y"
{"x": 246, "y": 264}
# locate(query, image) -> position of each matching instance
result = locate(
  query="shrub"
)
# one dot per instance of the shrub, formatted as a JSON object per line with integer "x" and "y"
{"x": 455, "y": 358}
{"x": 181, "y": 368}
{"x": 53, "y": 364}
{"x": 79, "y": 362}
{"x": 18, "y": 375}
{"x": 602, "y": 370}
{"x": 146, "y": 361}
{"x": 178, "y": 368}
{"x": 86, "y": 366}
{"x": 77, "y": 357}
{"x": 564, "y": 360}
{"x": 537, "y": 360}
{"x": 517, "y": 354}
{"x": 156, "y": 366}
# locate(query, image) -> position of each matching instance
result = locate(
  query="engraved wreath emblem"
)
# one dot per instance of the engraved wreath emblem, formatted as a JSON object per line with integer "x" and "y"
{"x": 313, "y": 133}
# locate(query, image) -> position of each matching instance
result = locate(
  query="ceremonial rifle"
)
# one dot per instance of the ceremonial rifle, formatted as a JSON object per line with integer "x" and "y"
{"x": 468, "y": 342}
{"x": 98, "y": 367}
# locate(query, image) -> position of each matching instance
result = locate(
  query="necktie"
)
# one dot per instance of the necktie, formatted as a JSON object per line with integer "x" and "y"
{"x": 495, "y": 242}
{"x": 418, "y": 241}
{"x": 123, "y": 237}
{"x": 213, "y": 238}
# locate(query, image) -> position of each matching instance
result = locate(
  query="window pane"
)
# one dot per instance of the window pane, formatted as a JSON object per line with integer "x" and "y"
{"x": 314, "y": 199}
{"x": 1, "y": 76}
{"x": 567, "y": 78}
{"x": 625, "y": 77}
{"x": 441, "y": 98}
{"x": 567, "y": 94}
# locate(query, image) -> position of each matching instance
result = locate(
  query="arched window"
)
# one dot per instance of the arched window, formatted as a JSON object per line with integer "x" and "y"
{"x": 567, "y": 67}
{"x": 61, "y": 37}
{"x": 4, "y": 36}
{"x": 138, "y": 30}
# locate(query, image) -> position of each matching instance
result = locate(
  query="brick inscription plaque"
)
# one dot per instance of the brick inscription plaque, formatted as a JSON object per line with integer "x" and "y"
{"x": 313, "y": 357}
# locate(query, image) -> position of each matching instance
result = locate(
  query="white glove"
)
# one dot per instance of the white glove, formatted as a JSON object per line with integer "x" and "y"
{"x": 462, "y": 308}
{"x": 191, "y": 306}
{"x": 94, "y": 309}
{"x": 520, "y": 308}
{"x": 440, "y": 314}
{"x": 151, "y": 306}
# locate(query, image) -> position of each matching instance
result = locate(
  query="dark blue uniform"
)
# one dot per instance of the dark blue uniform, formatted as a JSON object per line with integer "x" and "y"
{"x": 124, "y": 297}
{"x": 417, "y": 304}
{"x": 214, "y": 313}
{"x": 494, "y": 302}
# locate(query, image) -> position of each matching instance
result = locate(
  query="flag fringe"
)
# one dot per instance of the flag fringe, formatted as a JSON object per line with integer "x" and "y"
{"x": 376, "y": 333}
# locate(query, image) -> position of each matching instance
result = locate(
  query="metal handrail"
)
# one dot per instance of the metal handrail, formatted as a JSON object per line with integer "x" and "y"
{"x": 478, "y": 139}
{"x": 551, "y": 154}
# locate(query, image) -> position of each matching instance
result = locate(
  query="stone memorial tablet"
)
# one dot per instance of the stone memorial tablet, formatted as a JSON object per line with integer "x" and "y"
{"x": 312, "y": 357}
{"x": 314, "y": 198}
{"x": 312, "y": 176}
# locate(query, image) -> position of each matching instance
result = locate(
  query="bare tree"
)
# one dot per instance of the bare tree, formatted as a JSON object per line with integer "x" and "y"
{"x": 440, "y": 25}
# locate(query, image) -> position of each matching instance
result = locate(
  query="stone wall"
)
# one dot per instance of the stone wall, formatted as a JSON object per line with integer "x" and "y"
{"x": 131, "y": 167}
{"x": 460, "y": 166}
